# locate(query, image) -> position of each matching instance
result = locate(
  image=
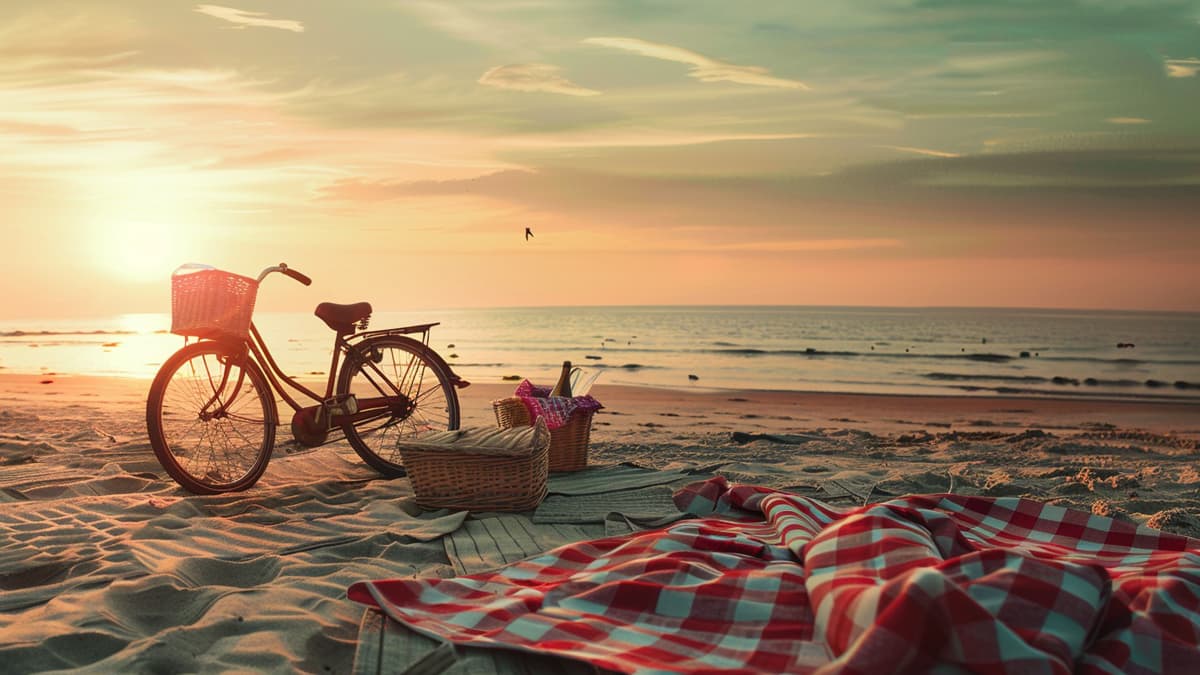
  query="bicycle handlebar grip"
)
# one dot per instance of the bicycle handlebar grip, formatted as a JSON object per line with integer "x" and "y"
{"x": 298, "y": 276}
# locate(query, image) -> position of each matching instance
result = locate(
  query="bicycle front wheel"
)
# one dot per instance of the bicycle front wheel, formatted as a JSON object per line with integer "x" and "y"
{"x": 404, "y": 391}
{"x": 211, "y": 418}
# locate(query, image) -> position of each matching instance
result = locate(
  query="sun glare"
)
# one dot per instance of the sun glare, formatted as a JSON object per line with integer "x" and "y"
{"x": 138, "y": 251}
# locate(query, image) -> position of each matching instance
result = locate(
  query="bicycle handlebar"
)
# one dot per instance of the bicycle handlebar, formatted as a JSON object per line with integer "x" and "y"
{"x": 302, "y": 278}
{"x": 284, "y": 269}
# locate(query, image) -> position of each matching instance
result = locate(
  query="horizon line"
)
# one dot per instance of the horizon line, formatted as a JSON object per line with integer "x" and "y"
{"x": 1008, "y": 308}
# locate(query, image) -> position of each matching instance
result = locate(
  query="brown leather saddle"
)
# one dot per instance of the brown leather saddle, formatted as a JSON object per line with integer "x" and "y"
{"x": 343, "y": 318}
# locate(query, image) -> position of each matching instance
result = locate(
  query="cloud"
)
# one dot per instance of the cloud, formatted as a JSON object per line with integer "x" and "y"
{"x": 1014, "y": 205}
{"x": 1095, "y": 173}
{"x": 1044, "y": 176}
{"x": 663, "y": 213}
{"x": 635, "y": 138}
{"x": 57, "y": 41}
{"x": 244, "y": 18}
{"x": 533, "y": 77}
{"x": 1182, "y": 67}
{"x": 703, "y": 68}
{"x": 922, "y": 151}
{"x": 35, "y": 130}
{"x": 466, "y": 23}
{"x": 1127, "y": 120}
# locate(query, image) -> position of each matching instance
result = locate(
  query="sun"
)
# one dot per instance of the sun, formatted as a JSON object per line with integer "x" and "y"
{"x": 143, "y": 224}
{"x": 139, "y": 251}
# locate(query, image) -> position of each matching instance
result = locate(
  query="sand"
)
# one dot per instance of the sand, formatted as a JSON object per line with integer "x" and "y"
{"x": 106, "y": 565}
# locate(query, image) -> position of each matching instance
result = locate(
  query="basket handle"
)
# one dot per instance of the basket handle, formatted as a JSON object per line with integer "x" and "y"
{"x": 192, "y": 267}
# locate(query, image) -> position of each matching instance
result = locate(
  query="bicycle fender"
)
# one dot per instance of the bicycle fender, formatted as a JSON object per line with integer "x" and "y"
{"x": 425, "y": 350}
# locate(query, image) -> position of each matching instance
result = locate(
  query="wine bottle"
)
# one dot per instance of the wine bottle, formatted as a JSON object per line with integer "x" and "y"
{"x": 563, "y": 388}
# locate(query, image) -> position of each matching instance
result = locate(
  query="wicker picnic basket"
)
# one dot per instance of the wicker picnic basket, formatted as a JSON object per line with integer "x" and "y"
{"x": 568, "y": 443}
{"x": 479, "y": 468}
{"x": 211, "y": 303}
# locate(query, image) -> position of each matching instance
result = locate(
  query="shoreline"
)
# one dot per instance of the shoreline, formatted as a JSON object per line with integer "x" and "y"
{"x": 1068, "y": 388}
{"x": 656, "y": 410}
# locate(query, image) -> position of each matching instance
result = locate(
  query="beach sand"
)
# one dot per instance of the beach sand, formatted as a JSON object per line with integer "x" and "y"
{"x": 107, "y": 565}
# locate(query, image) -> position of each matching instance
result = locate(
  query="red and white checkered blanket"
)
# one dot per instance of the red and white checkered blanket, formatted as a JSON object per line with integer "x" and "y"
{"x": 773, "y": 582}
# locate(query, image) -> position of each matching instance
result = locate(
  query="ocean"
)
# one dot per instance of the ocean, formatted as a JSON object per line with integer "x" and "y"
{"x": 979, "y": 352}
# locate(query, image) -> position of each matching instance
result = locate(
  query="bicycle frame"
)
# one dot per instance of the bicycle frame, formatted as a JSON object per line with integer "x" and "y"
{"x": 256, "y": 348}
{"x": 329, "y": 412}
{"x": 343, "y": 344}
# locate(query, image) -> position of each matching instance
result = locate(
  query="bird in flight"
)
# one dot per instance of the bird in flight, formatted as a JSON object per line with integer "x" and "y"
{"x": 528, "y": 233}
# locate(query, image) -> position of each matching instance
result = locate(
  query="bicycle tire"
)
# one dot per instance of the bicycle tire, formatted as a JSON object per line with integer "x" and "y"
{"x": 416, "y": 372}
{"x": 227, "y": 452}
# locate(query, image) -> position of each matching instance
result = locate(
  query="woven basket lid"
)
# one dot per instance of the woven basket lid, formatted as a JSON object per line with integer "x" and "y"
{"x": 515, "y": 442}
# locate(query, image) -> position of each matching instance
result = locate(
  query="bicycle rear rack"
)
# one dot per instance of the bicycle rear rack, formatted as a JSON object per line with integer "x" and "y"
{"x": 422, "y": 328}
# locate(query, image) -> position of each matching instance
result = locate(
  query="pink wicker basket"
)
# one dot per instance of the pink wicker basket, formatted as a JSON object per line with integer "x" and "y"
{"x": 212, "y": 304}
{"x": 568, "y": 443}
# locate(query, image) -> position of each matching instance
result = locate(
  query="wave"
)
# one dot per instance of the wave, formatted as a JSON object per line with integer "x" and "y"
{"x": 724, "y": 348}
{"x": 1003, "y": 378}
{"x": 1062, "y": 381}
{"x": 740, "y": 350}
{"x": 989, "y": 357}
{"x": 1123, "y": 361}
{"x": 811, "y": 351}
{"x": 547, "y": 366}
{"x": 1076, "y": 393}
{"x": 625, "y": 366}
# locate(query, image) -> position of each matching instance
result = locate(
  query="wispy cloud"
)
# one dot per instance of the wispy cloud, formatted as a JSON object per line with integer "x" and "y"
{"x": 459, "y": 22}
{"x": 703, "y": 68}
{"x": 1183, "y": 67}
{"x": 34, "y": 130}
{"x": 922, "y": 151}
{"x": 244, "y": 18}
{"x": 48, "y": 41}
{"x": 533, "y": 77}
{"x": 635, "y": 138}
{"x": 1021, "y": 200}
{"x": 1127, "y": 120}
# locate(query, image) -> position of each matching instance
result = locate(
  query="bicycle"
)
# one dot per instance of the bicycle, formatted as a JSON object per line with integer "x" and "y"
{"x": 211, "y": 412}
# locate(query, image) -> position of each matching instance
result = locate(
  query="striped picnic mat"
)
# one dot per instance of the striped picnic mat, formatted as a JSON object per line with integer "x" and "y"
{"x": 769, "y": 581}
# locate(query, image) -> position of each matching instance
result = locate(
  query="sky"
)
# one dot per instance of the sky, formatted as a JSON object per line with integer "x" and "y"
{"x": 1019, "y": 153}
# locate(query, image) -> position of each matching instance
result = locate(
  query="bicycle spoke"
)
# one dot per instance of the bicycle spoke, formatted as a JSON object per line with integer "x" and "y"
{"x": 397, "y": 367}
{"x": 213, "y": 419}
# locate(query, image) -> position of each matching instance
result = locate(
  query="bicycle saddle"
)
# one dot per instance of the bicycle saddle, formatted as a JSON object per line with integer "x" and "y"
{"x": 343, "y": 317}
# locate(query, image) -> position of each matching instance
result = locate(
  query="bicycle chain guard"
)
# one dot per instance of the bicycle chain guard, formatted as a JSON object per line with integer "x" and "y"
{"x": 310, "y": 426}
{"x": 305, "y": 428}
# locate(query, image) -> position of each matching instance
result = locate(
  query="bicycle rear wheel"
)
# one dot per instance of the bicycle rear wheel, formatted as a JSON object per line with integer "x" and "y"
{"x": 211, "y": 418}
{"x": 420, "y": 398}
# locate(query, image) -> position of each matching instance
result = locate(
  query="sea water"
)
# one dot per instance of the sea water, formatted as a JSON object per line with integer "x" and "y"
{"x": 835, "y": 349}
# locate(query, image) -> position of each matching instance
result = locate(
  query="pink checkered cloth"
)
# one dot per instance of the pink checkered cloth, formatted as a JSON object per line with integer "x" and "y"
{"x": 771, "y": 582}
{"x": 556, "y": 409}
